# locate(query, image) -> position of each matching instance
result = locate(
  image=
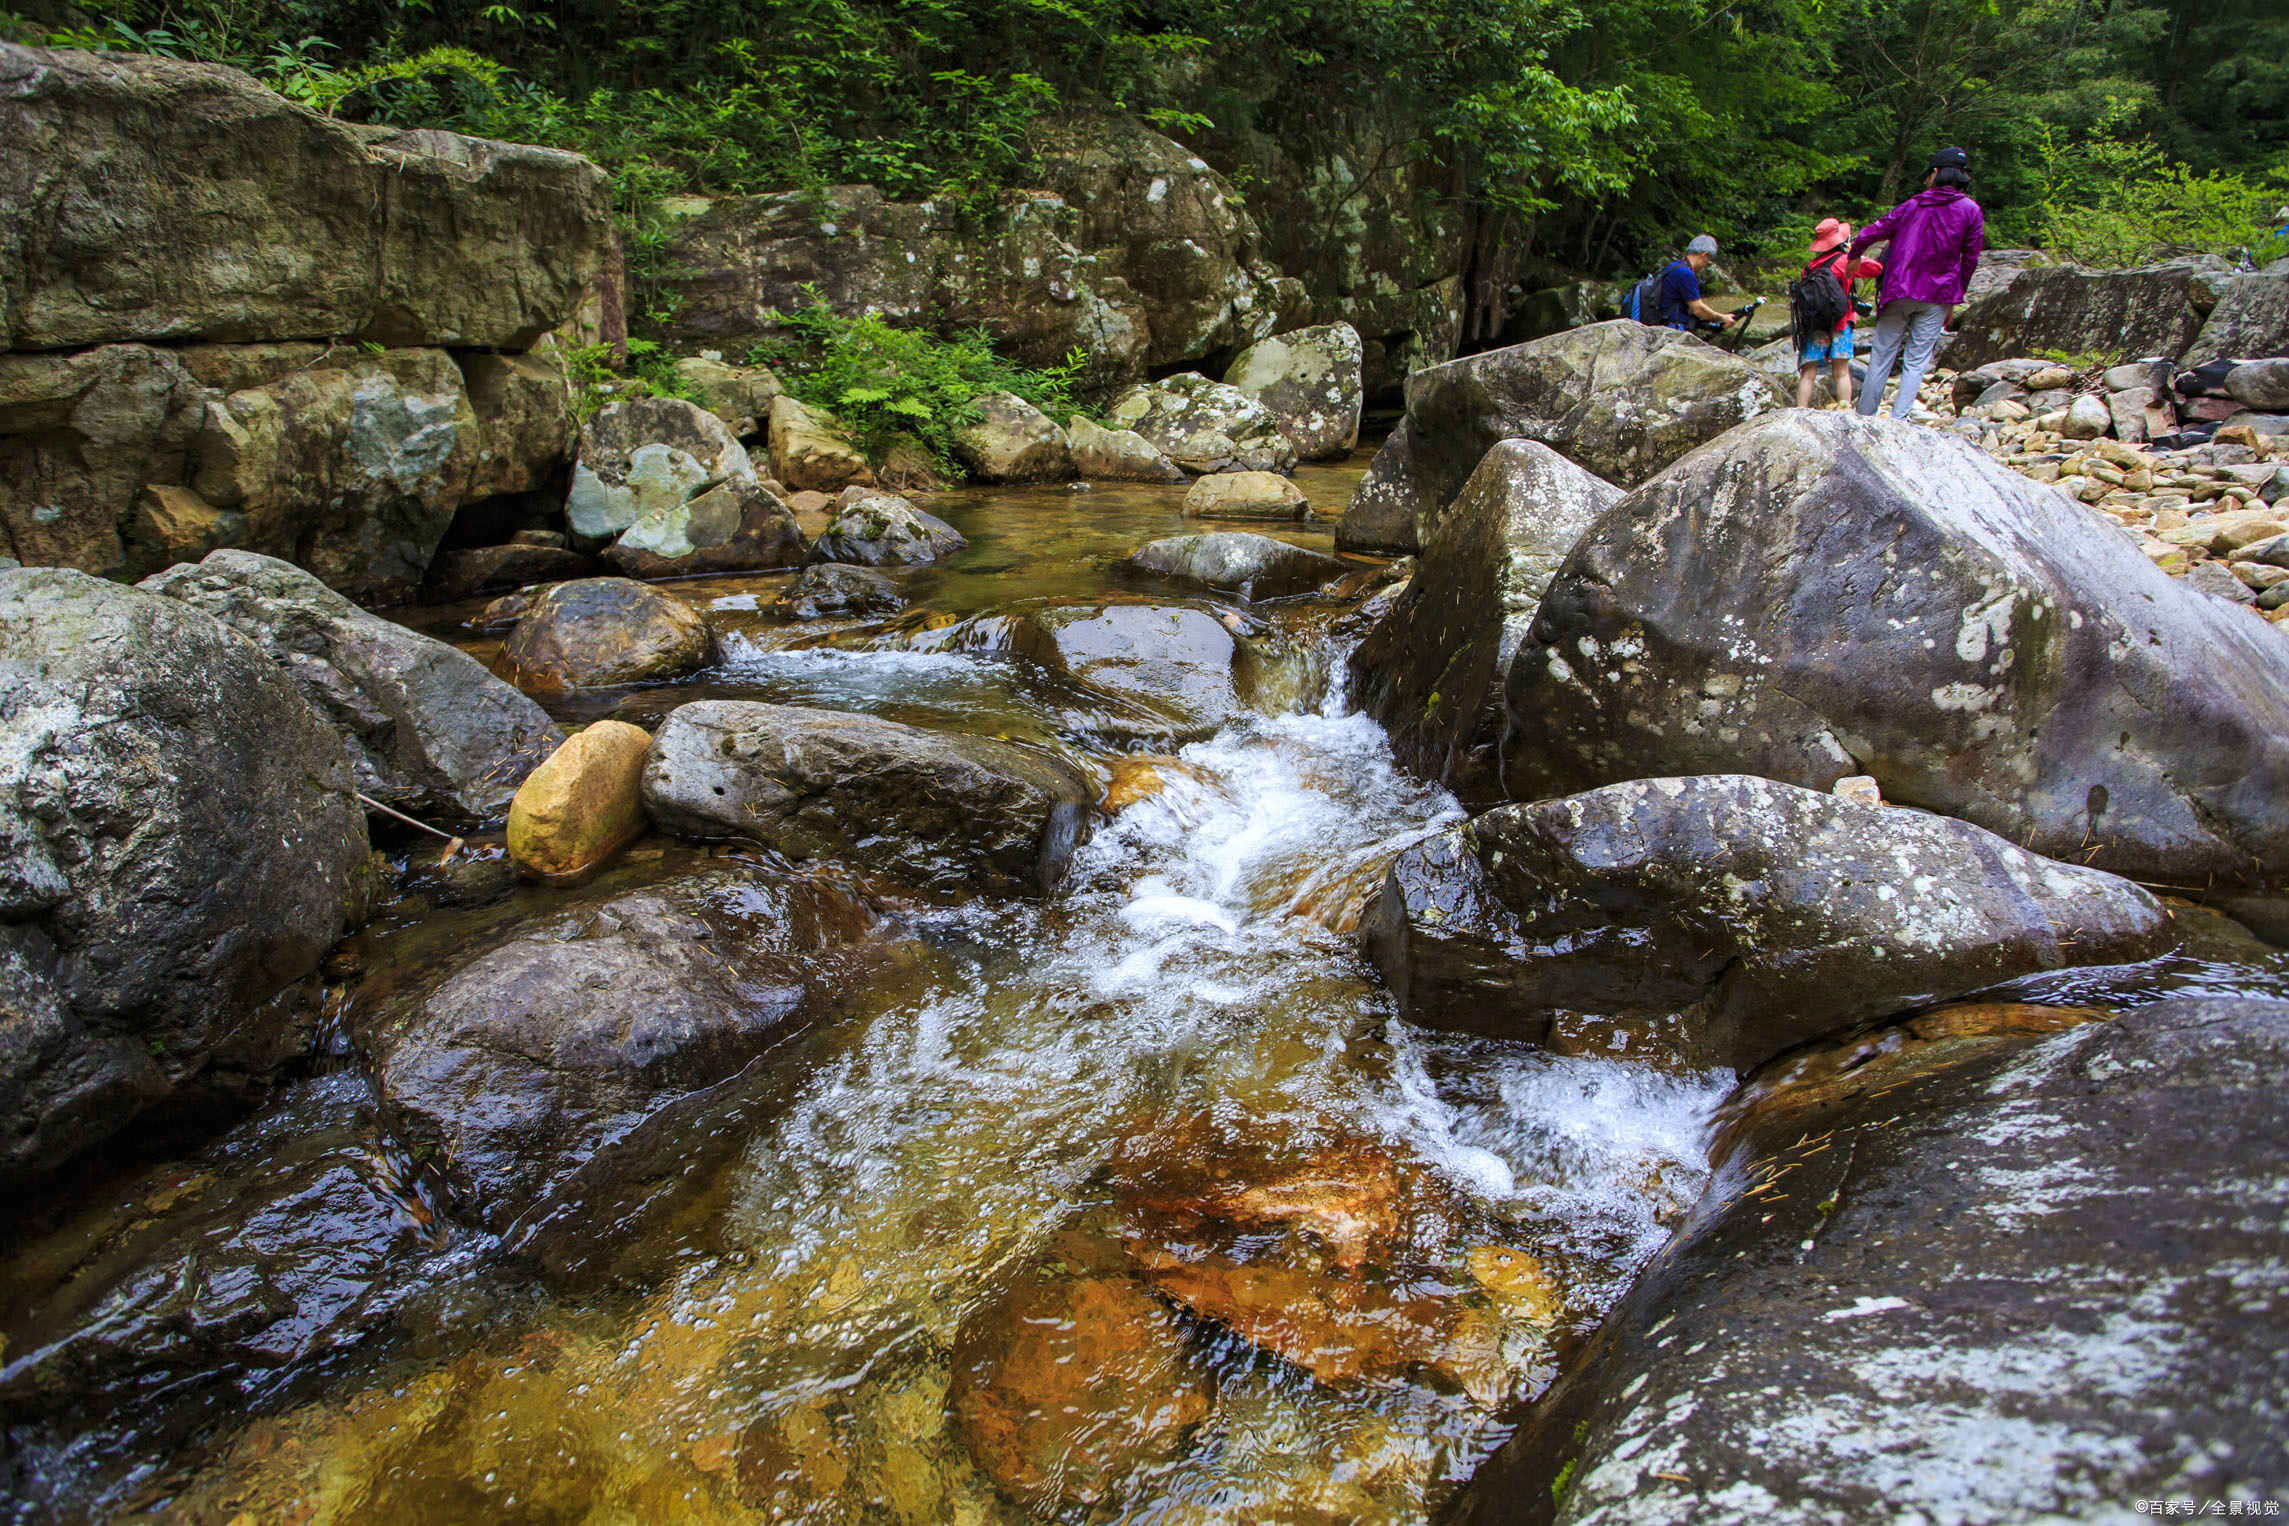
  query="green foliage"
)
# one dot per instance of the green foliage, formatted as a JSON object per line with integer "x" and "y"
{"x": 597, "y": 377}
{"x": 2109, "y": 201}
{"x": 881, "y": 381}
{"x": 1565, "y": 1477}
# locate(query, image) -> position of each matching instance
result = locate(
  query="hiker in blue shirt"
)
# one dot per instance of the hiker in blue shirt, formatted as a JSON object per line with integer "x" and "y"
{"x": 1681, "y": 302}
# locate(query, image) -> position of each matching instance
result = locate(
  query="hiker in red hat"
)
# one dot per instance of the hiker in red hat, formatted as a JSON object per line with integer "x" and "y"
{"x": 1821, "y": 313}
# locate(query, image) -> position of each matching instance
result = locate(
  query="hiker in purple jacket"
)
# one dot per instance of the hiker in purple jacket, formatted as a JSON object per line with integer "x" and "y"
{"x": 1936, "y": 236}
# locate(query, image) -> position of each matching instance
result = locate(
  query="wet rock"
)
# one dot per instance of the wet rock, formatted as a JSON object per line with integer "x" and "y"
{"x": 1012, "y": 441}
{"x": 942, "y": 812}
{"x": 494, "y": 569}
{"x": 584, "y": 804}
{"x": 1066, "y": 1384}
{"x": 428, "y": 730}
{"x": 646, "y": 457}
{"x": 809, "y": 451}
{"x": 178, "y": 846}
{"x": 2010, "y": 681}
{"x": 739, "y": 395}
{"x": 1431, "y": 671}
{"x": 1169, "y": 672}
{"x": 827, "y": 589}
{"x": 1310, "y": 379}
{"x": 1246, "y": 495}
{"x": 403, "y": 238}
{"x": 1116, "y": 455}
{"x": 1233, "y": 561}
{"x": 1618, "y": 399}
{"x": 2072, "y": 311}
{"x": 351, "y": 469}
{"x": 1204, "y": 426}
{"x": 738, "y": 526}
{"x": 1716, "y": 920}
{"x": 597, "y": 633}
{"x": 1386, "y": 512}
{"x": 173, "y": 1301}
{"x": 523, "y": 1059}
{"x": 1927, "y": 1252}
{"x": 877, "y": 529}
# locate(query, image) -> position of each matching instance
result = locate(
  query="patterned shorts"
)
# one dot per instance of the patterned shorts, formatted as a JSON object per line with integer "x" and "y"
{"x": 1836, "y": 347}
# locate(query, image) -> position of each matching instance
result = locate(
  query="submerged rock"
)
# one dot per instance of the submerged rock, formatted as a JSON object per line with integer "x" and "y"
{"x": 1987, "y": 1281}
{"x": 583, "y": 805}
{"x": 598, "y": 633}
{"x": 737, "y": 526}
{"x": 1067, "y": 1383}
{"x": 1013, "y": 441}
{"x": 1168, "y": 672}
{"x": 1311, "y": 381}
{"x": 429, "y": 731}
{"x": 1234, "y": 561}
{"x": 827, "y": 589}
{"x": 521, "y": 1060}
{"x": 878, "y": 529}
{"x": 2013, "y": 660}
{"x": 1116, "y": 455}
{"x": 1246, "y": 495}
{"x": 1431, "y": 670}
{"x": 179, "y": 847}
{"x": 1715, "y": 921}
{"x": 943, "y": 812}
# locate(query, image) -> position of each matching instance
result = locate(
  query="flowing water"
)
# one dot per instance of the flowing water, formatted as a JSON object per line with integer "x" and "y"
{"x": 788, "y": 1339}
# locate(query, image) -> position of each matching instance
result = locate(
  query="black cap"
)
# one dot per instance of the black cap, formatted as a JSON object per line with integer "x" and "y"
{"x": 1949, "y": 159}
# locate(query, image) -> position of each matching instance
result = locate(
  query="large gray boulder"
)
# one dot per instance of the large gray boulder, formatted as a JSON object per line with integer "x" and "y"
{"x": 739, "y": 525}
{"x": 1818, "y": 594}
{"x": 1982, "y": 1280}
{"x": 872, "y": 528}
{"x": 178, "y": 848}
{"x": 2250, "y": 321}
{"x": 1618, "y": 399}
{"x": 1116, "y": 455}
{"x": 228, "y": 213}
{"x": 1203, "y": 425}
{"x": 1236, "y": 561}
{"x": 944, "y": 813}
{"x": 1716, "y": 921}
{"x": 428, "y": 730}
{"x": 2065, "y": 309}
{"x": 600, "y": 633}
{"x": 645, "y": 457}
{"x": 1431, "y": 671}
{"x": 1310, "y": 379}
{"x": 529, "y": 1054}
{"x": 1386, "y": 513}
{"x": 1012, "y": 441}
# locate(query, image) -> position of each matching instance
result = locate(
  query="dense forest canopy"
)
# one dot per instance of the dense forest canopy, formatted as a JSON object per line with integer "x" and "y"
{"x": 1597, "y": 128}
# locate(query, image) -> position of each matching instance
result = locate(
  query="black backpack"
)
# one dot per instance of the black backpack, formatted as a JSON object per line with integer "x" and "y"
{"x": 1644, "y": 300}
{"x": 1816, "y": 301}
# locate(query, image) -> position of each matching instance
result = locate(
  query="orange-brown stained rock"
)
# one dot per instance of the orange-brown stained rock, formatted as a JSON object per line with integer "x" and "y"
{"x": 1979, "y": 1019}
{"x": 1515, "y": 1280}
{"x": 1341, "y": 1330}
{"x": 1206, "y": 1179}
{"x": 1134, "y": 779}
{"x": 581, "y": 806}
{"x": 1066, "y": 1384}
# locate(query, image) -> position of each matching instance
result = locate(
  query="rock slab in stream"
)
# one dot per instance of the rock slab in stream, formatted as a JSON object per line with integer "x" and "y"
{"x": 1311, "y": 380}
{"x": 739, "y": 525}
{"x": 1116, "y": 455}
{"x": 1431, "y": 670}
{"x": 429, "y": 731}
{"x": 599, "y": 633}
{"x": 178, "y": 849}
{"x": 943, "y": 812}
{"x": 1716, "y": 921}
{"x": 1818, "y": 595}
{"x": 2041, "y": 1283}
{"x": 646, "y": 457}
{"x": 520, "y": 1062}
{"x": 228, "y": 213}
{"x": 1386, "y": 513}
{"x": 1012, "y": 441}
{"x": 1236, "y": 561}
{"x": 1203, "y": 425}
{"x": 1169, "y": 672}
{"x": 877, "y": 529}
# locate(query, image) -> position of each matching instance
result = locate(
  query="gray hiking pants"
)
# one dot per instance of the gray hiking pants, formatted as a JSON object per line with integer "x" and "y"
{"x": 1903, "y": 321}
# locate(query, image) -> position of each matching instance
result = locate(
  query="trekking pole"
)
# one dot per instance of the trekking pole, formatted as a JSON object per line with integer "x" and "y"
{"x": 1741, "y": 328}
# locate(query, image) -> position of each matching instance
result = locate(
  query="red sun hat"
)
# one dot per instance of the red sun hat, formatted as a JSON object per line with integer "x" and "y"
{"x": 1832, "y": 233}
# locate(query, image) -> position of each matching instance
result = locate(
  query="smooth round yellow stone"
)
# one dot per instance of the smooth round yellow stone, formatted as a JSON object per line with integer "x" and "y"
{"x": 583, "y": 805}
